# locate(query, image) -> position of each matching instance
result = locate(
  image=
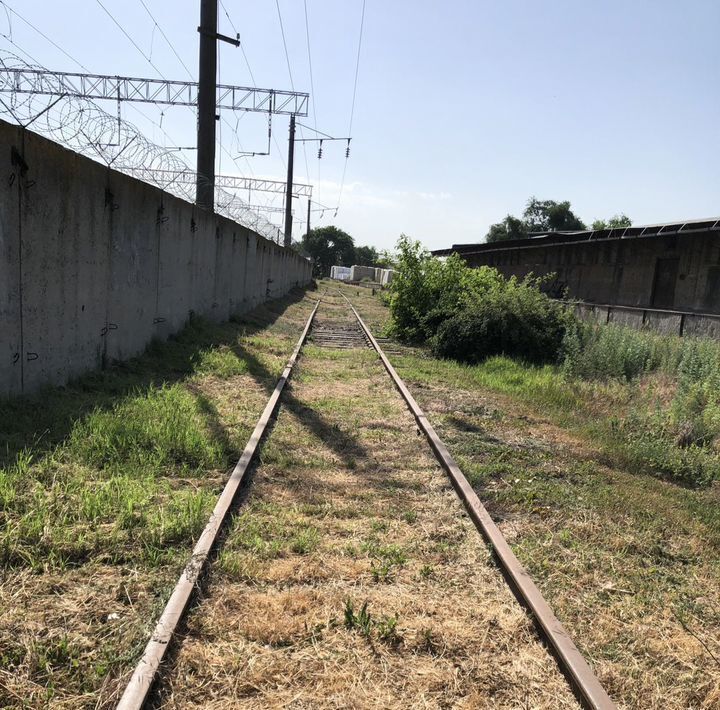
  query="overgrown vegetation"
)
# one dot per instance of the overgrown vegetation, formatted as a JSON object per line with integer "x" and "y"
{"x": 471, "y": 314}
{"x": 671, "y": 384}
{"x": 675, "y": 426}
{"x": 578, "y": 471}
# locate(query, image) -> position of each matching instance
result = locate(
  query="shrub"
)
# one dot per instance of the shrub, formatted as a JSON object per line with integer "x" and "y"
{"x": 513, "y": 318}
{"x": 426, "y": 291}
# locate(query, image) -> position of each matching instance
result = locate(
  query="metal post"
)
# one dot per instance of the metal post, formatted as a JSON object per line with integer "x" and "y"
{"x": 288, "y": 188}
{"x": 307, "y": 231}
{"x": 207, "y": 91}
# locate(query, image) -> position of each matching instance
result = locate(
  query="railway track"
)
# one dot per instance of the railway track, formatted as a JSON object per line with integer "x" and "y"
{"x": 336, "y": 327}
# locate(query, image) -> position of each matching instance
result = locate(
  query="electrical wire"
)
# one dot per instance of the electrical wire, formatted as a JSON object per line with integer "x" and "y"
{"x": 292, "y": 83}
{"x": 134, "y": 43}
{"x": 42, "y": 34}
{"x": 165, "y": 37}
{"x": 312, "y": 86}
{"x": 352, "y": 108}
{"x": 78, "y": 63}
{"x": 75, "y": 61}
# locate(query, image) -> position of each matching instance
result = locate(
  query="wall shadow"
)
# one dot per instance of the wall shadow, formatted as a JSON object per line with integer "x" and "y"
{"x": 43, "y": 420}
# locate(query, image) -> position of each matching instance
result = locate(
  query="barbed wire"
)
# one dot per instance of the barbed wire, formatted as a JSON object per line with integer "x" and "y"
{"x": 84, "y": 127}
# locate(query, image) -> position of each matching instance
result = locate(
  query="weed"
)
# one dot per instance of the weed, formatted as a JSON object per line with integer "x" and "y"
{"x": 409, "y": 516}
{"x": 427, "y": 571}
{"x": 361, "y": 621}
{"x": 387, "y": 629}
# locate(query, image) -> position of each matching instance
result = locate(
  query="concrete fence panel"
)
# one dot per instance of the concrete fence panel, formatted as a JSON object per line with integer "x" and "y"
{"x": 95, "y": 264}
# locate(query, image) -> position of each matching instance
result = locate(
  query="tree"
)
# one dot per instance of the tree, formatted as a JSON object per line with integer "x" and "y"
{"x": 365, "y": 256}
{"x": 619, "y": 220}
{"x": 510, "y": 228}
{"x": 550, "y": 216}
{"x": 328, "y": 246}
{"x": 386, "y": 259}
{"x": 539, "y": 216}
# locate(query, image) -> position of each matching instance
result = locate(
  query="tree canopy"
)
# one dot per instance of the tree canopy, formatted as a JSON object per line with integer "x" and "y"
{"x": 365, "y": 256}
{"x": 546, "y": 216}
{"x": 619, "y": 220}
{"x": 331, "y": 246}
{"x": 328, "y": 246}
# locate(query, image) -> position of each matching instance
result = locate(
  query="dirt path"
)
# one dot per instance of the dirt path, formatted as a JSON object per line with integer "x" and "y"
{"x": 351, "y": 576}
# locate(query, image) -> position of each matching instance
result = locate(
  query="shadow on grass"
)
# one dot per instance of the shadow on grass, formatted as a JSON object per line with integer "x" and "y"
{"x": 41, "y": 421}
{"x": 342, "y": 443}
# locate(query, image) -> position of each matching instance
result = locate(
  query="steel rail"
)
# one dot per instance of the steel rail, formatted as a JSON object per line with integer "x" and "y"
{"x": 145, "y": 673}
{"x": 570, "y": 660}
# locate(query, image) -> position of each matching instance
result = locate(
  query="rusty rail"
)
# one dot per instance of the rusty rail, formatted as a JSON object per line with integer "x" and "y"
{"x": 571, "y": 662}
{"x": 143, "y": 677}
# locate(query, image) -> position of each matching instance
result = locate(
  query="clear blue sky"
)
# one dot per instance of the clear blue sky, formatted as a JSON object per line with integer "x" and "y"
{"x": 464, "y": 108}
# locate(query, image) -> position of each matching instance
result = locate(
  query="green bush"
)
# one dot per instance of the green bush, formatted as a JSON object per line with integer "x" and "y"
{"x": 471, "y": 314}
{"x": 513, "y": 318}
{"x": 426, "y": 291}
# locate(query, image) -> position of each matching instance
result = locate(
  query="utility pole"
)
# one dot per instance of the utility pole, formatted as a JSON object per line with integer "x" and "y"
{"x": 288, "y": 189}
{"x": 308, "y": 219}
{"x": 207, "y": 97}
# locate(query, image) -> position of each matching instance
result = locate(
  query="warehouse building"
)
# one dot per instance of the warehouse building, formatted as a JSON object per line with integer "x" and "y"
{"x": 664, "y": 275}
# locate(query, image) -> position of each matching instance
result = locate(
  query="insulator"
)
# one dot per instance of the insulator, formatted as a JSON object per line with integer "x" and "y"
{"x": 347, "y": 152}
{"x": 319, "y": 153}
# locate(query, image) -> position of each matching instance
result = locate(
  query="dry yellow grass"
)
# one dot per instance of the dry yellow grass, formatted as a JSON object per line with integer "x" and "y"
{"x": 70, "y": 632}
{"x": 349, "y": 511}
{"x": 629, "y": 562}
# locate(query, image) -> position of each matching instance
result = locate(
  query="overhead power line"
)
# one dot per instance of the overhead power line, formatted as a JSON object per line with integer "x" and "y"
{"x": 312, "y": 83}
{"x": 352, "y": 108}
{"x": 134, "y": 43}
{"x": 75, "y": 61}
{"x": 42, "y": 34}
{"x": 292, "y": 83}
{"x": 165, "y": 37}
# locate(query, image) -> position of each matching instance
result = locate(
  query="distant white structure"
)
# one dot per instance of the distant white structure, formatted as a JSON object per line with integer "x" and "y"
{"x": 386, "y": 276}
{"x": 340, "y": 273}
{"x": 358, "y": 273}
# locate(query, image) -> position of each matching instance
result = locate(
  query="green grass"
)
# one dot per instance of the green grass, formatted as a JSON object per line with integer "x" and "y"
{"x": 99, "y": 469}
{"x": 268, "y": 531}
{"x": 636, "y": 436}
{"x": 105, "y": 485}
{"x": 151, "y": 430}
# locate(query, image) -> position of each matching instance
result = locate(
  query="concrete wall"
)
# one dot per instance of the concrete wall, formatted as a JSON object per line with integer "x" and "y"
{"x": 622, "y": 272}
{"x": 358, "y": 273}
{"x": 667, "y": 322}
{"x": 95, "y": 264}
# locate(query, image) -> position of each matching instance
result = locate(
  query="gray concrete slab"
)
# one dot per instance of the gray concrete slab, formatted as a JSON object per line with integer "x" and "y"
{"x": 11, "y": 353}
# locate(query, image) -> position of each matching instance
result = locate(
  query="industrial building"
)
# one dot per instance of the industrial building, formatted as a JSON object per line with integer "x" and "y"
{"x": 663, "y": 275}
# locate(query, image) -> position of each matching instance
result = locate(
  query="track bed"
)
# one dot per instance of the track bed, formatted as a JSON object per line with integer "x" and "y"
{"x": 351, "y": 575}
